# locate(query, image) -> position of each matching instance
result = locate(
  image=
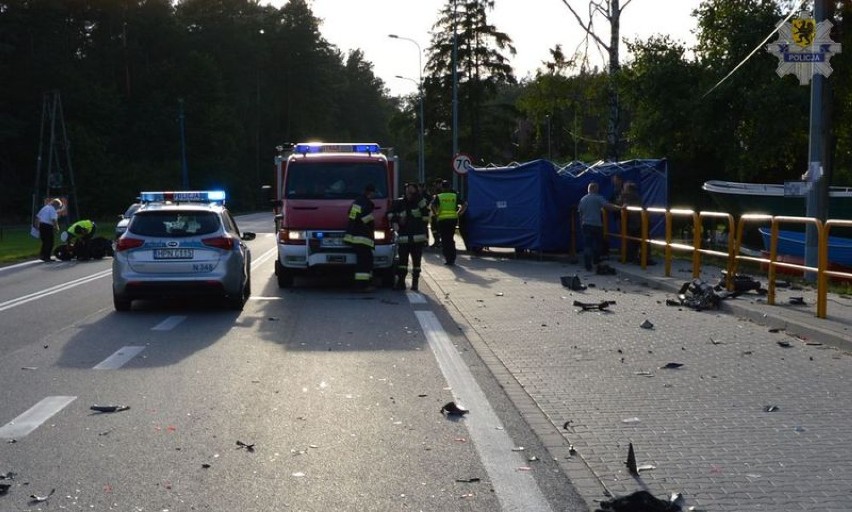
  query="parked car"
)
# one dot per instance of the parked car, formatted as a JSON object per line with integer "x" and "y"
{"x": 182, "y": 244}
{"x": 124, "y": 219}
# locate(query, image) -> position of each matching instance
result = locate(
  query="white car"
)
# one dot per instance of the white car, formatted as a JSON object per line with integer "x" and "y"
{"x": 182, "y": 244}
{"x": 124, "y": 219}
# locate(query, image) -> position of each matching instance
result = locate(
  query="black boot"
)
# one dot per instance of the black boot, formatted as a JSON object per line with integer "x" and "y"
{"x": 414, "y": 281}
{"x": 400, "y": 283}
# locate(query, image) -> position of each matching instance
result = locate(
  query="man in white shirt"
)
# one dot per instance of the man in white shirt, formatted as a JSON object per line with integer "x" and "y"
{"x": 591, "y": 223}
{"x": 47, "y": 220}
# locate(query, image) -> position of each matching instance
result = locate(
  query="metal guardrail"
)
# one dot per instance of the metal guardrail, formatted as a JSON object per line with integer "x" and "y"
{"x": 733, "y": 256}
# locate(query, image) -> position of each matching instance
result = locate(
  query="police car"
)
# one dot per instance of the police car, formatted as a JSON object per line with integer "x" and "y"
{"x": 181, "y": 244}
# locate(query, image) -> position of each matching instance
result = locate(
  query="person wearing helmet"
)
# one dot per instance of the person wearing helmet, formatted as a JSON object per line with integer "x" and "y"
{"x": 79, "y": 236}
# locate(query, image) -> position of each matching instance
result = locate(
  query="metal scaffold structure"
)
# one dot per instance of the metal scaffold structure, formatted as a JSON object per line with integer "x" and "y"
{"x": 54, "y": 158}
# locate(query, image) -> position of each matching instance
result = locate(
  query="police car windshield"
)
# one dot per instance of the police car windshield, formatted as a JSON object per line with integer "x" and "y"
{"x": 174, "y": 224}
{"x": 334, "y": 180}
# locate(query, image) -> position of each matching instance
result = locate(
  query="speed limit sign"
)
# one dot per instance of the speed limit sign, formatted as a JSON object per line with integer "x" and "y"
{"x": 462, "y": 163}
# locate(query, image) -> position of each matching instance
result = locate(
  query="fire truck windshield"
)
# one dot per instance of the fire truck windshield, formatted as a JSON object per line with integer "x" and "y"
{"x": 334, "y": 180}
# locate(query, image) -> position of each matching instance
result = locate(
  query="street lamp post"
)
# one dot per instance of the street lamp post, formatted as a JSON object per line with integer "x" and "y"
{"x": 421, "y": 164}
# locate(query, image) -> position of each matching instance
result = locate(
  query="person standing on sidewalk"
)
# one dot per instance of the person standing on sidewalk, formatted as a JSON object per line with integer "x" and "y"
{"x": 47, "y": 222}
{"x": 408, "y": 217}
{"x": 591, "y": 222}
{"x": 359, "y": 235}
{"x": 447, "y": 209}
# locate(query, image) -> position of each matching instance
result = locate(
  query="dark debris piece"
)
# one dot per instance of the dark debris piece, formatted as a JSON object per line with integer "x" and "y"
{"x": 468, "y": 480}
{"x": 4, "y": 488}
{"x": 248, "y": 447}
{"x": 639, "y": 501}
{"x": 573, "y": 283}
{"x": 594, "y": 306}
{"x": 671, "y": 366}
{"x": 784, "y": 344}
{"x": 451, "y": 409}
{"x": 797, "y": 301}
{"x": 109, "y": 408}
{"x": 770, "y": 408}
{"x": 8, "y": 476}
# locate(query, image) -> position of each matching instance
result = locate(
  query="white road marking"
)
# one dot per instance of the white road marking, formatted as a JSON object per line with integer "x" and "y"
{"x": 263, "y": 258}
{"x": 9, "y": 304}
{"x": 34, "y": 417}
{"x": 266, "y": 298}
{"x": 119, "y": 358}
{"x": 517, "y": 490}
{"x": 169, "y": 323}
{"x": 415, "y": 298}
{"x": 22, "y": 264}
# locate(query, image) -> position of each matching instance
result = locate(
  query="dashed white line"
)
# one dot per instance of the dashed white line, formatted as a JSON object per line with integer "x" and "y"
{"x": 169, "y": 323}
{"x": 119, "y": 358}
{"x": 415, "y": 298}
{"x": 9, "y": 304}
{"x": 516, "y": 489}
{"x": 34, "y": 417}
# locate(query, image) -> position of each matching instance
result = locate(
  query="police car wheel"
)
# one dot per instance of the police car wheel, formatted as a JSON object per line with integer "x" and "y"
{"x": 121, "y": 303}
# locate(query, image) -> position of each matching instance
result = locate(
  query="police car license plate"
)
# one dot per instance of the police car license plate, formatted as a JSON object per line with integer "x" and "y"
{"x": 336, "y": 258}
{"x": 173, "y": 254}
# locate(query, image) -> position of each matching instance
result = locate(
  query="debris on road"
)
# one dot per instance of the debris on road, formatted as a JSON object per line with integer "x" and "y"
{"x": 646, "y": 324}
{"x": 604, "y": 270}
{"x": 639, "y": 501}
{"x": 109, "y": 408}
{"x": 784, "y": 344}
{"x": 451, "y": 409}
{"x": 468, "y": 480}
{"x": 671, "y": 366}
{"x": 594, "y": 306}
{"x": 248, "y": 447}
{"x": 797, "y": 301}
{"x": 41, "y": 499}
{"x": 631, "y": 461}
{"x": 4, "y": 488}
{"x": 572, "y": 283}
{"x": 30, "y": 368}
{"x": 770, "y": 408}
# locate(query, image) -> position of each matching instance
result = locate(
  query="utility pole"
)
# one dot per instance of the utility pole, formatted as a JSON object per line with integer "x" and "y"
{"x": 455, "y": 92}
{"x": 817, "y": 196}
{"x": 421, "y": 164}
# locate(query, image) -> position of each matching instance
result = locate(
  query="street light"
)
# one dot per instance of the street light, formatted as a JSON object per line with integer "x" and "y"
{"x": 421, "y": 171}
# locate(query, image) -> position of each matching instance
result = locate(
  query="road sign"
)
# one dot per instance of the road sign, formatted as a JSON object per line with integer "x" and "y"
{"x": 462, "y": 163}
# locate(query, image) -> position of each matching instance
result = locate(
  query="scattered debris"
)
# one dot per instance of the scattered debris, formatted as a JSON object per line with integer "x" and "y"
{"x": 518, "y": 449}
{"x": 644, "y": 373}
{"x": 770, "y": 408}
{"x": 248, "y": 447}
{"x": 646, "y": 467}
{"x": 8, "y": 476}
{"x": 573, "y": 283}
{"x": 639, "y": 501}
{"x": 784, "y": 343}
{"x": 451, "y": 409}
{"x": 604, "y": 270}
{"x": 716, "y": 342}
{"x": 567, "y": 425}
{"x": 775, "y": 330}
{"x": 671, "y": 366}
{"x": 797, "y": 301}
{"x": 4, "y": 488}
{"x": 646, "y": 324}
{"x": 630, "y": 420}
{"x": 30, "y": 368}
{"x": 41, "y": 499}
{"x": 109, "y": 408}
{"x": 273, "y": 319}
{"x": 468, "y": 480}
{"x": 631, "y": 461}
{"x": 205, "y": 466}
{"x": 499, "y": 294}
{"x": 594, "y": 306}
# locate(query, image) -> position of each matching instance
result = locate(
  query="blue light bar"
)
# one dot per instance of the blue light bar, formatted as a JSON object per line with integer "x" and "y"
{"x": 186, "y": 196}
{"x": 319, "y": 147}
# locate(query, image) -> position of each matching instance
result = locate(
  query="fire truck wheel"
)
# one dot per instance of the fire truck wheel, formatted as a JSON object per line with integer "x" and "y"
{"x": 285, "y": 277}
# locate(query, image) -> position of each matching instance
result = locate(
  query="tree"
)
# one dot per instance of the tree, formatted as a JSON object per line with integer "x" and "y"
{"x": 611, "y": 11}
{"x": 482, "y": 69}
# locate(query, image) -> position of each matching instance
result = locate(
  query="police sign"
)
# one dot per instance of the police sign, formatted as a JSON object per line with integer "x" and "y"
{"x": 804, "y": 48}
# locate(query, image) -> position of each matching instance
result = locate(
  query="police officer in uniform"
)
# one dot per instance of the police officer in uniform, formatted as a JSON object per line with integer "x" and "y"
{"x": 359, "y": 235}
{"x": 447, "y": 210}
{"x": 408, "y": 217}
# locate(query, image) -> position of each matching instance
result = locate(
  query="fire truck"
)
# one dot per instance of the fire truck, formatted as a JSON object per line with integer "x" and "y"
{"x": 315, "y": 184}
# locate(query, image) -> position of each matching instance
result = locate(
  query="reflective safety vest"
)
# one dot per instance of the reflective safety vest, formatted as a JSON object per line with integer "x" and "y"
{"x": 448, "y": 206}
{"x": 361, "y": 222}
{"x": 81, "y": 228}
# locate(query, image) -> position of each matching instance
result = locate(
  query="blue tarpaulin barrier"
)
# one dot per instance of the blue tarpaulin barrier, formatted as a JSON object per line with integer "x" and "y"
{"x": 531, "y": 206}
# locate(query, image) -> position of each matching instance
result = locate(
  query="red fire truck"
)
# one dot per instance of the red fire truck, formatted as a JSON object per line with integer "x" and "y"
{"x": 315, "y": 185}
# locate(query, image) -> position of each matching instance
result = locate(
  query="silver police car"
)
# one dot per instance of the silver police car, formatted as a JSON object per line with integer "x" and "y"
{"x": 181, "y": 244}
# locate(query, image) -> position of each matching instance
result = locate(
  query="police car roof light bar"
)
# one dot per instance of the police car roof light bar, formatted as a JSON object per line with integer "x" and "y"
{"x": 184, "y": 196}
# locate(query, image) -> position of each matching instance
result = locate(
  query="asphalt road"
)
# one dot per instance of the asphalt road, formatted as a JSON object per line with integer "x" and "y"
{"x": 338, "y": 393}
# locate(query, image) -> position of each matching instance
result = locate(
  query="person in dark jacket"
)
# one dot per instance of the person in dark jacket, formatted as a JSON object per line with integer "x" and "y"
{"x": 359, "y": 235}
{"x": 408, "y": 217}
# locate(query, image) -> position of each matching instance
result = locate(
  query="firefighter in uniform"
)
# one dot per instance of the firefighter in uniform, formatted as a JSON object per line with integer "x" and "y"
{"x": 447, "y": 209}
{"x": 359, "y": 235}
{"x": 408, "y": 217}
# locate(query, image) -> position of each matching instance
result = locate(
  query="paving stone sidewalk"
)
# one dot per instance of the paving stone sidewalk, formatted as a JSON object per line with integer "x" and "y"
{"x": 756, "y": 418}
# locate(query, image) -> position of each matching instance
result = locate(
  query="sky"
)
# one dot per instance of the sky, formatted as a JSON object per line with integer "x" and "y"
{"x": 535, "y": 26}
